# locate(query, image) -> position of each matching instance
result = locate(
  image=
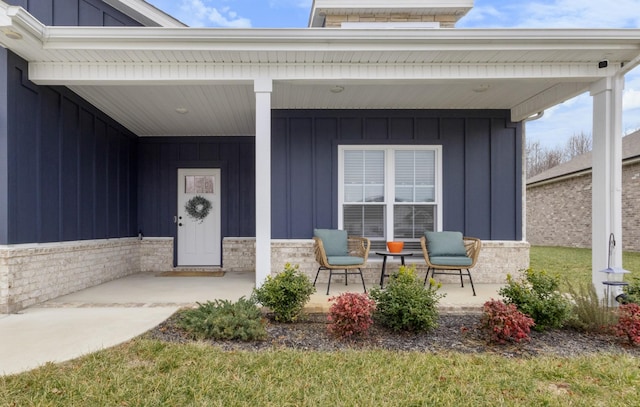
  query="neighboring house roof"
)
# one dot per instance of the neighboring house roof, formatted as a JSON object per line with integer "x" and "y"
{"x": 583, "y": 163}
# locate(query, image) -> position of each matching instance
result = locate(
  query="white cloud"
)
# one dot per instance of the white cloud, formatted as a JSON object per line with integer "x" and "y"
{"x": 562, "y": 121}
{"x": 580, "y": 13}
{"x": 198, "y": 13}
{"x": 554, "y": 14}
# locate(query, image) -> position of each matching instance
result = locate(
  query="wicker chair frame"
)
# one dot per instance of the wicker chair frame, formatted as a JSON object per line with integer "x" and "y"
{"x": 471, "y": 244}
{"x": 357, "y": 246}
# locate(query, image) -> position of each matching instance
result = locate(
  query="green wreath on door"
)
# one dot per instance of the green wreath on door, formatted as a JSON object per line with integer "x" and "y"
{"x": 198, "y": 208}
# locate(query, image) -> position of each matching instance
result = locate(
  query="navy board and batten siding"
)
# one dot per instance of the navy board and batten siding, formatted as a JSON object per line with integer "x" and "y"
{"x": 67, "y": 171}
{"x": 75, "y": 13}
{"x": 482, "y": 161}
{"x": 159, "y": 159}
{"x": 70, "y": 171}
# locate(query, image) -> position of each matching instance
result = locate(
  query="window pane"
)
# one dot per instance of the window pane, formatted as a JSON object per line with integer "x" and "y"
{"x": 425, "y": 176}
{"x": 415, "y": 176}
{"x": 425, "y": 194}
{"x": 353, "y": 193}
{"x": 404, "y": 193}
{"x": 364, "y": 176}
{"x": 353, "y": 165}
{"x": 411, "y": 221}
{"x": 364, "y": 220}
{"x": 374, "y": 167}
{"x": 374, "y": 193}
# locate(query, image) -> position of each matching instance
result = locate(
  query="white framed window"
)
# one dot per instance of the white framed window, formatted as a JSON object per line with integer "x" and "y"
{"x": 390, "y": 193}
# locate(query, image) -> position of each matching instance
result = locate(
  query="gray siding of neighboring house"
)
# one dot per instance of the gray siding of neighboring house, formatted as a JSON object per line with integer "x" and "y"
{"x": 481, "y": 165}
{"x": 559, "y": 212}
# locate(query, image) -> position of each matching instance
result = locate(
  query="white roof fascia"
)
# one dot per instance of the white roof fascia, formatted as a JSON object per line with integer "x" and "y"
{"x": 361, "y": 39}
{"x": 548, "y": 98}
{"x": 145, "y": 13}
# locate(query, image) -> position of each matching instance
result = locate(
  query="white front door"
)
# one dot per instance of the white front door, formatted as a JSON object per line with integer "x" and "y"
{"x": 199, "y": 217}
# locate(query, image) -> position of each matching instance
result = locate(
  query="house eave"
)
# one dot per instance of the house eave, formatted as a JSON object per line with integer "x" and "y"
{"x": 459, "y": 39}
{"x": 620, "y": 45}
{"x": 525, "y": 70}
{"x": 576, "y": 174}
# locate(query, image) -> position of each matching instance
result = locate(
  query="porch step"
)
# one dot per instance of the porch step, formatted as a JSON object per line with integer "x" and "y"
{"x": 190, "y": 271}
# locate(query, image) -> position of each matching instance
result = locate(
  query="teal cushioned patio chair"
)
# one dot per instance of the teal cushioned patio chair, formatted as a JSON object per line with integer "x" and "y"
{"x": 445, "y": 251}
{"x": 334, "y": 250}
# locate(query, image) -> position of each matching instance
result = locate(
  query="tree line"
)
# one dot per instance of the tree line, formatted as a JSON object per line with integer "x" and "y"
{"x": 540, "y": 158}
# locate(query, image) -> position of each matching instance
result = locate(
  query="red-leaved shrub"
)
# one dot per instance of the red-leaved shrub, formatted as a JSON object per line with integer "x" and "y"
{"x": 629, "y": 323}
{"x": 505, "y": 323}
{"x": 350, "y": 315}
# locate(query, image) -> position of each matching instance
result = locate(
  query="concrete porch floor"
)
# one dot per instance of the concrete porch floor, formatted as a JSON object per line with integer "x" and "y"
{"x": 150, "y": 290}
{"x": 115, "y": 312}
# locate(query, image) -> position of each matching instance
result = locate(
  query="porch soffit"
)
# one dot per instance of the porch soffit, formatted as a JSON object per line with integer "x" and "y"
{"x": 140, "y": 76}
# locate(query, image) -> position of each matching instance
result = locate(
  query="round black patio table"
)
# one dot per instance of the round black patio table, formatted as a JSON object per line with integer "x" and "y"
{"x": 386, "y": 254}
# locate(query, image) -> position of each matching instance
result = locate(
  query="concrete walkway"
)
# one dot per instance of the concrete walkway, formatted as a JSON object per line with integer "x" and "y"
{"x": 115, "y": 312}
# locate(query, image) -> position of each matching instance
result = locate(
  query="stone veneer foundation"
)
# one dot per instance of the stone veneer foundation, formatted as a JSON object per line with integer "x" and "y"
{"x": 34, "y": 273}
{"x": 497, "y": 259}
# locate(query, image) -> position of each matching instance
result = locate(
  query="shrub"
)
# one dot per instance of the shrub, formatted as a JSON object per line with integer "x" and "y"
{"x": 504, "y": 322}
{"x": 632, "y": 291}
{"x": 224, "y": 320}
{"x": 286, "y": 293}
{"x": 537, "y": 296}
{"x": 589, "y": 313}
{"x": 350, "y": 315}
{"x": 406, "y": 305}
{"x": 629, "y": 323}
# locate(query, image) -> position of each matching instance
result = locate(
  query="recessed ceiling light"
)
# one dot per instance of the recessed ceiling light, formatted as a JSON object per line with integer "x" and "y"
{"x": 182, "y": 110}
{"x": 337, "y": 89}
{"x": 12, "y": 34}
{"x": 481, "y": 88}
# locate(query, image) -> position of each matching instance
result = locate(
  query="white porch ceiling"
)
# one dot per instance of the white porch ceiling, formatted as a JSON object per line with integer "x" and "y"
{"x": 140, "y": 76}
{"x": 229, "y": 109}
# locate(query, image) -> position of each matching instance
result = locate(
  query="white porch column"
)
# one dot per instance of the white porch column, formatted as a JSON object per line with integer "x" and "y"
{"x": 607, "y": 176}
{"x": 262, "y": 89}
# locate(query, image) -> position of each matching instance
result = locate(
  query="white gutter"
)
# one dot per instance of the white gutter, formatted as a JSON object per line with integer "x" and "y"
{"x": 458, "y": 39}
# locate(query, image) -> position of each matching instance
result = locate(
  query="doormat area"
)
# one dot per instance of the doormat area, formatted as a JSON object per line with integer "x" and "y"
{"x": 174, "y": 273}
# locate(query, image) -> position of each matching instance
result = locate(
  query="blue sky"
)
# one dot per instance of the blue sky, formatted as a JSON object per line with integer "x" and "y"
{"x": 557, "y": 125}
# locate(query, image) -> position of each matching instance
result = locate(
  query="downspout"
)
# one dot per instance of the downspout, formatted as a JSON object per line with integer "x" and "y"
{"x": 524, "y": 170}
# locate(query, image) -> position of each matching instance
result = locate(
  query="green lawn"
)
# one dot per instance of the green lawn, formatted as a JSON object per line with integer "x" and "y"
{"x": 574, "y": 264}
{"x": 152, "y": 373}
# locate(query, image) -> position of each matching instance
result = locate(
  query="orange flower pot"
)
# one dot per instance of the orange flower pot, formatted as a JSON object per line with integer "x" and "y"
{"x": 395, "y": 247}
